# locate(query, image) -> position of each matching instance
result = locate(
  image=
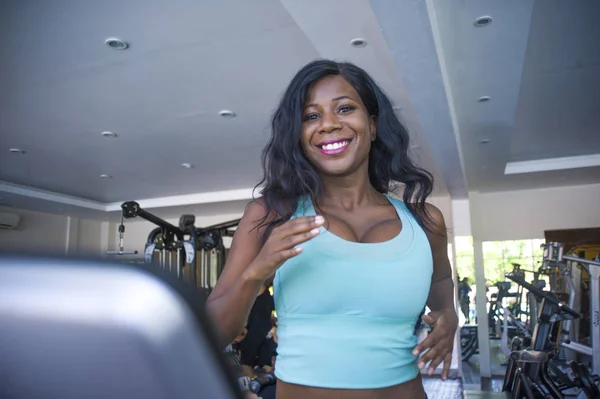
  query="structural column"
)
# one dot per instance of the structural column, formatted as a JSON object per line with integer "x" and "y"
{"x": 477, "y": 219}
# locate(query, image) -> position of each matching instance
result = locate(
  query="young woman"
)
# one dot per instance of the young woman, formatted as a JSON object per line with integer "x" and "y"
{"x": 354, "y": 266}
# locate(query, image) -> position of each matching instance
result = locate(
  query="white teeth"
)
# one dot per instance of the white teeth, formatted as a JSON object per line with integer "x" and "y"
{"x": 335, "y": 146}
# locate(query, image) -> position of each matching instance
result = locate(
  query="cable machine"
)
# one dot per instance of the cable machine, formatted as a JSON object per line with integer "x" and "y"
{"x": 194, "y": 254}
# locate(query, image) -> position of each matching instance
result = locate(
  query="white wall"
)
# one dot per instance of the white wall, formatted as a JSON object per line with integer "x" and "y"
{"x": 92, "y": 237}
{"x": 53, "y": 234}
{"x": 461, "y": 215}
{"x": 524, "y": 214}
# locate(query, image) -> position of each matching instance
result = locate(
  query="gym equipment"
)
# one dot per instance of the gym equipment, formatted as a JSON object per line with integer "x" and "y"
{"x": 261, "y": 381}
{"x": 74, "y": 329}
{"x": 553, "y": 257}
{"x": 505, "y": 322}
{"x": 163, "y": 238}
{"x": 532, "y": 373}
{"x": 194, "y": 254}
{"x": 121, "y": 251}
{"x": 468, "y": 341}
{"x": 496, "y": 316}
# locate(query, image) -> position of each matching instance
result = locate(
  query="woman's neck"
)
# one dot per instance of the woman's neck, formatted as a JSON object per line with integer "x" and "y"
{"x": 348, "y": 191}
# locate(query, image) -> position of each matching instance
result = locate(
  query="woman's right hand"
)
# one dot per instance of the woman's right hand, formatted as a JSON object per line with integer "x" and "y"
{"x": 281, "y": 245}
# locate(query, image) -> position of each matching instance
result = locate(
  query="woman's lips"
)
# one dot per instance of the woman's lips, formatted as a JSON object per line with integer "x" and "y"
{"x": 334, "y": 147}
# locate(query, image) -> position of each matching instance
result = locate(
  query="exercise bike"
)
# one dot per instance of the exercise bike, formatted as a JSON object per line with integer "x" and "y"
{"x": 531, "y": 373}
{"x": 503, "y": 321}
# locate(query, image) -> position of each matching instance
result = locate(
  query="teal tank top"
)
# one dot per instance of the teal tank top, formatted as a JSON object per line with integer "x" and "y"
{"x": 347, "y": 311}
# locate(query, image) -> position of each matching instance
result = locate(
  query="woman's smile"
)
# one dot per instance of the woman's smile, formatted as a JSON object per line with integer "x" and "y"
{"x": 334, "y": 147}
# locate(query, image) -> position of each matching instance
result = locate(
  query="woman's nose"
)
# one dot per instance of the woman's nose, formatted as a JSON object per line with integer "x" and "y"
{"x": 329, "y": 122}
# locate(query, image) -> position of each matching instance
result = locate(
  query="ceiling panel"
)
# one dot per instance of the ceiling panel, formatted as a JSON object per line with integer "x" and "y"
{"x": 558, "y": 105}
{"x": 163, "y": 104}
{"x": 538, "y": 61}
{"x": 59, "y": 38}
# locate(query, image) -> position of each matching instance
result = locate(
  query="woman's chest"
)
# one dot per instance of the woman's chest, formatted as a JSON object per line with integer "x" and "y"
{"x": 368, "y": 225}
{"x": 327, "y": 285}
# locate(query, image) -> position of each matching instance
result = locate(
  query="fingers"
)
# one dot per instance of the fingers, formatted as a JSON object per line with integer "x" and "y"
{"x": 437, "y": 358}
{"x": 438, "y": 352}
{"x": 301, "y": 225}
{"x": 286, "y": 254}
{"x": 429, "y": 320}
{"x": 447, "y": 364}
{"x": 438, "y": 345}
{"x": 427, "y": 343}
{"x": 427, "y": 357}
{"x": 299, "y": 230}
{"x": 289, "y": 243}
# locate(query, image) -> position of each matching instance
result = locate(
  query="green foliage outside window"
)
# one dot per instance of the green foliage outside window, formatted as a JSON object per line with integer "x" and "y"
{"x": 498, "y": 257}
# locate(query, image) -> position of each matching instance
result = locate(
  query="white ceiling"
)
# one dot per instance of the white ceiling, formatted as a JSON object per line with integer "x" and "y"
{"x": 62, "y": 86}
{"x": 539, "y": 62}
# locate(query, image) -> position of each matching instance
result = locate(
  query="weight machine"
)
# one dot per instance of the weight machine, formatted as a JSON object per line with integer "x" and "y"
{"x": 554, "y": 258}
{"x": 194, "y": 254}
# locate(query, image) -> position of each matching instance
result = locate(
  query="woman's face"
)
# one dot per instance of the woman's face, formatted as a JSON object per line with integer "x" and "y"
{"x": 337, "y": 130}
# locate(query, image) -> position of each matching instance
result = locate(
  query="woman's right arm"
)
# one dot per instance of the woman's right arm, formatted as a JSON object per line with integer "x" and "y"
{"x": 245, "y": 271}
{"x": 229, "y": 303}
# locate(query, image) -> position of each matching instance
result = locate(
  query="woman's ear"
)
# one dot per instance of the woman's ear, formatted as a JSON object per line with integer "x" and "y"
{"x": 373, "y": 127}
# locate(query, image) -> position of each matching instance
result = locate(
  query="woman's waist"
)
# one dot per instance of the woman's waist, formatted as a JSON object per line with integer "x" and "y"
{"x": 411, "y": 389}
{"x": 341, "y": 349}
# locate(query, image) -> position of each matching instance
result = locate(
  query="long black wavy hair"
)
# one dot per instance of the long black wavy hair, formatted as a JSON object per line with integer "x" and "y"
{"x": 289, "y": 175}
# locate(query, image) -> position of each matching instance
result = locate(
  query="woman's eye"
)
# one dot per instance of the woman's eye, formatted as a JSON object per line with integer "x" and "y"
{"x": 346, "y": 108}
{"x": 310, "y": 117}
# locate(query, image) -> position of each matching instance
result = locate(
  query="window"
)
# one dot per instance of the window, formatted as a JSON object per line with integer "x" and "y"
{"x": 498, "y": 257}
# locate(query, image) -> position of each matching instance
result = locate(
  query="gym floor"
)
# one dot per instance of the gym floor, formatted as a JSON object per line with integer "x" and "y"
{"x": 471, "y": 374}
{"x": 438, "y": 389}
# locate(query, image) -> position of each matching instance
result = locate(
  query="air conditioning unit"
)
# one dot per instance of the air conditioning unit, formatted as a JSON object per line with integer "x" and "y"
{"x": 9, "y": 221}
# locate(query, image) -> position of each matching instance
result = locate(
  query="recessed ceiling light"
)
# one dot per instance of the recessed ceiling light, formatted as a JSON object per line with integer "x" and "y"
{"x": 17, "y": 151}
{"x": 227, "y": 113}
{"x": 116, "y": 43}
{"x": 186, "y": 165}
{"x": 358, "y": 42}
{"x": 483, "y": 21}
{"x": 484, "y": 141}
{"x": 483, "y": 99}
{"x": 103, "y": 176}
{"x": 108, "y": 134}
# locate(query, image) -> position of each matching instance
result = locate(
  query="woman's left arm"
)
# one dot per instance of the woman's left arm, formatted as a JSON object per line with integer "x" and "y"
{"x": 442, "y": 318}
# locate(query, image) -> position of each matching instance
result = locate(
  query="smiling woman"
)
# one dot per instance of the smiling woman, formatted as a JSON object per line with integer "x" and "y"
{"x": 346, "y": 96}
{"x": 335, "y": 127}
{"x": 353, "y": 266}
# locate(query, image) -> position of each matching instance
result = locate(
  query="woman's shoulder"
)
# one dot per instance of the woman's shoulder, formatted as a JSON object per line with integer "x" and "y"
{"x": 258, "y": 208}
{"x": 434, "y": 217}
{"x": 259, "y": 213}
{"x": 256, "y": 212}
